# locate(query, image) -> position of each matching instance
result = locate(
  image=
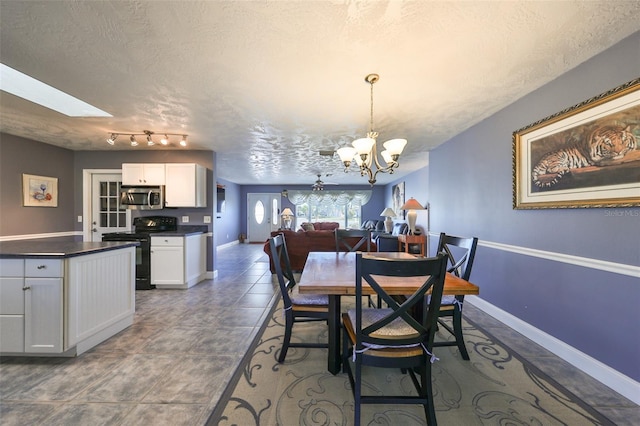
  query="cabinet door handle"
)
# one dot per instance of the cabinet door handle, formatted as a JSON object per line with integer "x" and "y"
{"x": 26, "y": 288}
{"x": 42, "y": 266}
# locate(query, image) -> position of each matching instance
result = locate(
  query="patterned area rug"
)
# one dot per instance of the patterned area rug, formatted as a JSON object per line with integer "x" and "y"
{"x": 497, "y": 387}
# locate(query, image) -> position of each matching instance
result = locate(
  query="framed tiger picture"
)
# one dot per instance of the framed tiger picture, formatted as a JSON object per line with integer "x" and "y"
{"x": 585, "y": 156}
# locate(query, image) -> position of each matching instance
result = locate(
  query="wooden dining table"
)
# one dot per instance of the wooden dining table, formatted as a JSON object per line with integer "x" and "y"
{"x": 334, "y": 274}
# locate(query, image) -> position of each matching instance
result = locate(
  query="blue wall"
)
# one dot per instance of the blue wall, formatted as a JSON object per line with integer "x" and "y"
{"x": 470, "y": 193}
{"x": 227, "y": 226}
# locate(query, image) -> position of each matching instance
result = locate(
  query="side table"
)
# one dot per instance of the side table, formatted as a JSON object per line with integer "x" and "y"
{"x": 407, "y": 239}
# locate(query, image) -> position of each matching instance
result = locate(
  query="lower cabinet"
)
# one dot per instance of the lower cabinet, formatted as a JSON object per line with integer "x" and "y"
{"x": 31, "y": 305}
{"x": 178, "y": 262}
{"x": 167, "y": 261}
{"x": 65, "y": 306}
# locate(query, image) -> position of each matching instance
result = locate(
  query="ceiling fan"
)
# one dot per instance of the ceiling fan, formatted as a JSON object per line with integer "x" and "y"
{"x": 318, "y": 185}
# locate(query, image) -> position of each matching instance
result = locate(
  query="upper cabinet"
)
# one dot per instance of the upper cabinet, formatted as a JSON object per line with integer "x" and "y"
{"x": 186, "y": 185}
{"x": 143, "y": 174}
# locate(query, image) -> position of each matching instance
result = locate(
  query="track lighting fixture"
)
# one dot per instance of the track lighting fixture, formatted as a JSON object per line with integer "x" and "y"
{"x": 112, "y": 139}
{"x": 148, "y": 133}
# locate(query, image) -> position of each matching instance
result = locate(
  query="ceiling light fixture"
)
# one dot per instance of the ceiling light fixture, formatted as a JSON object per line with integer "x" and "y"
{"x": 112, "y": 139}
{"x": 148, "y": 133}
{"x": 365, "y": 150}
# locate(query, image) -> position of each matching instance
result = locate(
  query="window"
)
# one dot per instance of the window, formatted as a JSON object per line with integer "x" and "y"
{"x": 343, "y": 207}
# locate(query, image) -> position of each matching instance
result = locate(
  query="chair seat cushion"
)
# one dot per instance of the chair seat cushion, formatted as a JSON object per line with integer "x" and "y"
{"x": 446, "y": 300}
{"x": 309, "y": 299}
{"x": 397, "y": 329}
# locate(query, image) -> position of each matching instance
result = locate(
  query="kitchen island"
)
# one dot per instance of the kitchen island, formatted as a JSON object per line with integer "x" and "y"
{"x": 63, "y": 298}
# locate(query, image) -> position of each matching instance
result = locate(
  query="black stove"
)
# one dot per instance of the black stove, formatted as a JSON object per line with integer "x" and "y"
{"x": 143, "y": 227}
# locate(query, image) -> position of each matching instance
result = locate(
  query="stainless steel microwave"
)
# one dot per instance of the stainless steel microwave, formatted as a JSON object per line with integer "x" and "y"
{"x": 142, "y": 197}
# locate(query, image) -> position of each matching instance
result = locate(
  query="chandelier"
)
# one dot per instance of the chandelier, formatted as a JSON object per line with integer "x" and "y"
{"x": 365, "y": 150}
{"x": 132, "y": 138}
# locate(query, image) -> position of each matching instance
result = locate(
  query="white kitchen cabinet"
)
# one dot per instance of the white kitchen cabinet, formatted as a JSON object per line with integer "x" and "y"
{"x": 143, "y": 174}
{"x": 65, "y": 306}
{"x": 31, "y": 305}
{"x": 167, "y": 261}
{"x": 186, "y": 185}
{"x": 178, "y": 262}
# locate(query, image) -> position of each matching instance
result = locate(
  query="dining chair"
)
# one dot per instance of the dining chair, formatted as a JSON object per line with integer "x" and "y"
{"x": 392, "y": 337}
{"x": 460, "y": 252}
{"x": 351, "y": 240}
{"x": 347, "y": 241}
{"x": 297, "y": 307}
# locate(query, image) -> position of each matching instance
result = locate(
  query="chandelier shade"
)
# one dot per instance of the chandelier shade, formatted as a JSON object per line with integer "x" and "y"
{"x": 364, "y": 150}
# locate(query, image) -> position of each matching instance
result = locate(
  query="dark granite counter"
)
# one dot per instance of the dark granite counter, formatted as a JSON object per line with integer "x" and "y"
{"x": 183, "y": 231}
{"x": 53, "y": 249}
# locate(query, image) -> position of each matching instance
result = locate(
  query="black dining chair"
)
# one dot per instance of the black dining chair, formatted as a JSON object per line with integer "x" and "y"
{"x": 352, "y": 240}
{"x": 460, "y": 252}
{"x": 297, "y": 307}
{"x": 392, "y": 337}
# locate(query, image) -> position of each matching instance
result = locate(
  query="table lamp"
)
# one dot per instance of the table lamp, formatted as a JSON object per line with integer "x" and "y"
{"x": 287, "y": 215}
{"x": 412, "y": 205}
{"x": 388, "y": 222}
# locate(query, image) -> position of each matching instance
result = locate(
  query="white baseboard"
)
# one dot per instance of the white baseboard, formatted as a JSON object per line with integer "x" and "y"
{"x": 608, "y": 376}
{"x": 232, "y": 243}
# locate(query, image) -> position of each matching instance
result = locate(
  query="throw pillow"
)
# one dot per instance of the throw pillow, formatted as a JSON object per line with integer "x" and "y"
{"x": 306, "y": 226}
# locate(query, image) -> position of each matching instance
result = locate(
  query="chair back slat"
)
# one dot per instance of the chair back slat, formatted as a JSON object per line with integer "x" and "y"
{"x": 370, "y": 269}
{"x": 286, "y": 279}
{"x": 351, "y": 240}
{"x": 463, "y": 247}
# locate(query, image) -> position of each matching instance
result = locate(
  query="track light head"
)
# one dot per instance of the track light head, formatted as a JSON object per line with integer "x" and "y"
{"x": 133, "y": 140}
{"x": 149, "y": 141}
{"x": 183, "y": 141}
{"x": 112, "y": 139}
{"x": 164, "y": 140}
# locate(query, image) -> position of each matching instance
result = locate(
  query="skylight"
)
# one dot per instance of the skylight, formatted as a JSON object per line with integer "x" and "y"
{"x": 19, "y": 84}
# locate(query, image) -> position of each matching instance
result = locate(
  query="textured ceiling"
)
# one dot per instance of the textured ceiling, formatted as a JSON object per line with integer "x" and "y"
{"x": 269, "y": 84}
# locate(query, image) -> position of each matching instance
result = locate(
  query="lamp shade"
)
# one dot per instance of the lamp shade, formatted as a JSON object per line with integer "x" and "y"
{"x": 412, "y": 204}
{"x": 388, "y": 212}
{"x": 287, "y": 212}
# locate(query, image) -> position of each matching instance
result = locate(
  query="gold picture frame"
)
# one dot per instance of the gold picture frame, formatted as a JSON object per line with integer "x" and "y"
{"x": 585, "y": 156}
{"x": 39, "y": 191}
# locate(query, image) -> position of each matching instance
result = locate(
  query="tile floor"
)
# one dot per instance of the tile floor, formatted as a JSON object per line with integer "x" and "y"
{"x": 172, "y": 365}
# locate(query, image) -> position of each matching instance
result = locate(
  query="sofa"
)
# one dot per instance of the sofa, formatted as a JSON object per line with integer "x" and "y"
{"x": 300, "y": 243}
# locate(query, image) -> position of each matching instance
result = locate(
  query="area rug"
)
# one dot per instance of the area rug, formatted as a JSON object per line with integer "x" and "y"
{"x": 496, "y": 387}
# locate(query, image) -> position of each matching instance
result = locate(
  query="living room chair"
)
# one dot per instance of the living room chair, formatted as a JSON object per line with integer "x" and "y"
{"x": 460, "y": 252}
{"x": 392, "y": 337}
{"x": 389, "y": 242}
{"x": 346, "y": 240}
{"x": 297, "y": 307}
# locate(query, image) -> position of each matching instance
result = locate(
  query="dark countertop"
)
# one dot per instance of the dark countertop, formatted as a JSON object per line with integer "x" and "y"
{"x": 52, "y": 249}
{"x": 183, "y": 231}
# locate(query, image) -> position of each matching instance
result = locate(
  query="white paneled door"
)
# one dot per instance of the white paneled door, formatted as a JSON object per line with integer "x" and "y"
{"x": 107, "y": 215}
{"x": 263, "y": 216}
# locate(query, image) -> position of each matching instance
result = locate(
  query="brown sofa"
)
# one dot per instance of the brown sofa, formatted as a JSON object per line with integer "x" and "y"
{"x": 300, "y": 243}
